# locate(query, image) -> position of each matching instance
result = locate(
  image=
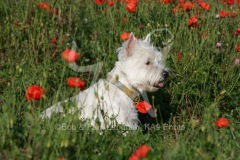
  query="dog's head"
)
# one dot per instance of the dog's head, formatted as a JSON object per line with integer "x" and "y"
{"x": 142, "y": 64}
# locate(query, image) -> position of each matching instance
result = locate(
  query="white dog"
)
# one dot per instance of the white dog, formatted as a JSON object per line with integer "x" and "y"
{"x": 139, "y": 68}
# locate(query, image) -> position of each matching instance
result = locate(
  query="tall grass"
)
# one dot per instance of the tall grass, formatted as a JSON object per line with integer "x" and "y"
{"x": 203, "y": 86}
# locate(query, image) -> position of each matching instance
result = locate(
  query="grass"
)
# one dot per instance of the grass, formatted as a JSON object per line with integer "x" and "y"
{"x": 204, "y": 84}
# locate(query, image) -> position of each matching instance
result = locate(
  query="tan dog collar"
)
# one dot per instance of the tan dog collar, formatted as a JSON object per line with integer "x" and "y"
{"x": 134, "y": 95}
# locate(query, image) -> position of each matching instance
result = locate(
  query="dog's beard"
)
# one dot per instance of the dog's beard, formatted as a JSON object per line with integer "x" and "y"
{"x": 146, "y": 87}
{"x": 152, "y": 82}
{"x": 151, "y": 88}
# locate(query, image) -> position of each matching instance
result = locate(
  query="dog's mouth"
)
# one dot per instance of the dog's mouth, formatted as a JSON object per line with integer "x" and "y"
{"x": 159, "y": 84}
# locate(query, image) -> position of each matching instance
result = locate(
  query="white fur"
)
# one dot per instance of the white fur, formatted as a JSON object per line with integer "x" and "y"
{"x": 106, "y": 102}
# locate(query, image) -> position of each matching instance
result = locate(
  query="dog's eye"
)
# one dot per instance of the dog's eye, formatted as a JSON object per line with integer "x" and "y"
{"x": 148, "y": 62}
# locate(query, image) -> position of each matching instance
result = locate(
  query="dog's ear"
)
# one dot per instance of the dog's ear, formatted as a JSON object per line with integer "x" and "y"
{"x": 130, "y": 45}
{"x": 148, "y": 38}
{"x": 166, "y": 49}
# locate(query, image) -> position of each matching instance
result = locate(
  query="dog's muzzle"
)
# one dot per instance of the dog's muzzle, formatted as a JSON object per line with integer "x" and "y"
{"x": 160, "y": 84}
{"x": 165, "y": 74}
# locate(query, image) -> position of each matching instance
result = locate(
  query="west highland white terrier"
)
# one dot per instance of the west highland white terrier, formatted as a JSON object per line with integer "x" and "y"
{"x": 140, "y": 67}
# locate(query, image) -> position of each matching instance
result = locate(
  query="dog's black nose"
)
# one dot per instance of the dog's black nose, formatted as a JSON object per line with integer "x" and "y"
{"x": 165, "y": 74}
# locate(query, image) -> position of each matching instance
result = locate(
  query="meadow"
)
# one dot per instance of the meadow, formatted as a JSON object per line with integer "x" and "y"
{"x": 204, "y": 84}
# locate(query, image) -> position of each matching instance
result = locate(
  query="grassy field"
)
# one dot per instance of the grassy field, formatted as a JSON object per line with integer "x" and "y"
{"x": 204, "y": 83}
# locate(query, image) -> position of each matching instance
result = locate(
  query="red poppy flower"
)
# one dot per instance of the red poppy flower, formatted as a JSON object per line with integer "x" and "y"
{"x": 179, "y": 56}
{"x": 230, "y": 2}
{"x": 131, "y": 7}
{"x": 141, "y": 152}
{"x": 205, "y": 6}
{"x": 167, "y": 1}
{"x": 29, "y": 20}
{"x": 232, "y": 14}
{"x": 143, "y": 107}
{"x": 174, "y": 10}
{"x": 44, "y": 6}
{"x": 125, "y": 36}
{"x": 238, "y": 47}
{"x": 17, "y": 23}
{"x": 70, "y": 55}
{"x": 237, "y": 32}
{"x": 54, "y": 12}
{"x": 192, "y": 21}
{"x": 53, "y": 40}
{"x": 187, "y": 5}
{"x": 99, "y": 1}
{"x": 222, "y": 14}
{"x": 111, "y": 3}
{"x": 134, "y": 157}
{"x": 34, "y": 92}
{"x": 76, "y": 83}
{"x": 222, "y": 122}
{"x": 135, "y": 2}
